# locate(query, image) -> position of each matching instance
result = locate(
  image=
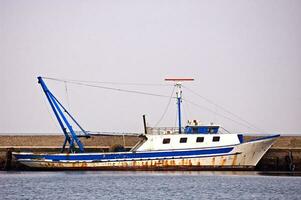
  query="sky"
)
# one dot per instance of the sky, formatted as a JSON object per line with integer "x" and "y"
{"x": 245, "y": 57}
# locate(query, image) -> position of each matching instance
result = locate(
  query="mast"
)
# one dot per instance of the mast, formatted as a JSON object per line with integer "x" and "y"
{"x": 178, "y": 84}
{"x": 144, "y": 124}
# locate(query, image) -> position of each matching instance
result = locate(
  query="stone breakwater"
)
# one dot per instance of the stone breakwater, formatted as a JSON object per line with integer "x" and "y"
{"x": 285, "y": 154}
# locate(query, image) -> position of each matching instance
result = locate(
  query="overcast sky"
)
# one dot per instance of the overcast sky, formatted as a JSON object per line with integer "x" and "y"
{"x": 244, "y": 55}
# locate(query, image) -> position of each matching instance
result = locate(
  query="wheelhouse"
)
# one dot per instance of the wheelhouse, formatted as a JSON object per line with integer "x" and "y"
{"x": 195, "y": 127}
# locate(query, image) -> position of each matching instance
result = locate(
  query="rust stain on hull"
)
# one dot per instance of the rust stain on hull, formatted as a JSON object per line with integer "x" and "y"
{"x": 153, "y": 168}
{"x": 234, "y": 161}
{"x": 182, "y": 164}
{"x": 223, "y": 161}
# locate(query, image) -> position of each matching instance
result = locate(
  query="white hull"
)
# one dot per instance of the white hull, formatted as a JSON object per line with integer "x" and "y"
{"x": 243, "y": 156}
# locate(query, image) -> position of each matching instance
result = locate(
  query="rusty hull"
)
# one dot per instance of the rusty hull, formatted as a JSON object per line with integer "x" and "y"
{"x": 216, "y": 163}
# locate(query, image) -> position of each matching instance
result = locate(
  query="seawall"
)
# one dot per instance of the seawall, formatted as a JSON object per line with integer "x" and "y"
{"x": 284, "y": 155}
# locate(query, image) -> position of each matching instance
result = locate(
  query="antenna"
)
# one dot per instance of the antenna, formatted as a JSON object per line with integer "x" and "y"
{"x": 178, "y": 84}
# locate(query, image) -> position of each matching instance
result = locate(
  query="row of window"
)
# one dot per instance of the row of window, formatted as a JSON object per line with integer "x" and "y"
{"x": 198, "y": 140}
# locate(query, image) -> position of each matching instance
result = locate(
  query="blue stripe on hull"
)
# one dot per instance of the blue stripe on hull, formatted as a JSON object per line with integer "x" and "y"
{"x": 137, "y": 155}
{"x": 265, "y": 138}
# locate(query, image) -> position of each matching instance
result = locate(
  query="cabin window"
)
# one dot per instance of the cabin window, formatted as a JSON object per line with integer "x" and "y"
{"x": 215, "y": 139}
{"x": 166, "y": 140}
{"x": 200, "y": 139}
{"x": 183, "y": 140}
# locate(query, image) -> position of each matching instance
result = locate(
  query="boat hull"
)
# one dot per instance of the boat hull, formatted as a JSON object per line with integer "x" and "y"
{"x": 244, "y": 156}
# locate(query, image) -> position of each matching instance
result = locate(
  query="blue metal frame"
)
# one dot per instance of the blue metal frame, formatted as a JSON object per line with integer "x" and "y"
{"x": 179, "y": 113}
{"x": 56, "y": 107}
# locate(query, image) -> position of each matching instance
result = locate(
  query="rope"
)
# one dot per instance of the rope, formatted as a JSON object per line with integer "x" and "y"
{"x": 86, "y": 83}
{"x": 67, "y": 96}
{"x": 225, "y": 129}
{"x": 51, "y": 116}
{"x": 166, "y": 108}
{"x": 176, "y": 119}
{"x": 185, "y": 109}
{"x": 109, "y": 88}
{"x": 103, "y": 82}
{"x": 95, "y": 133}
{"x": 224, "y": 109}
{"x": 202, "y": 107}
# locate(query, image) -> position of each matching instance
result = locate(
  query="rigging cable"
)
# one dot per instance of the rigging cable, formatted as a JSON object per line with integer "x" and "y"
{"x": 176, "y": 118}
{"x": 224, "y": 109}
{"x": 202, "y": 107}
{"x": 166, "y": 108}
{"x": 67, "y": 96}
{"x": 185, "y": 116}
{"x": 104, "y": 82}
{"x": 48, "y": 110}
{"x": 225, "y": 129}
{"x": 110, "y": 88}
{"x": 84, "y": 83}
{"x": 185, "y": 109}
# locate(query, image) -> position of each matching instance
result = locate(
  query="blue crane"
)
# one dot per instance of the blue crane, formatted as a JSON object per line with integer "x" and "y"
{"x": 70, "y": 136}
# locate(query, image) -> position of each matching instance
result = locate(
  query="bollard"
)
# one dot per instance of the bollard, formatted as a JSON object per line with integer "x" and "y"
{"x": 277, "y": 164}
{"x": 290, "y": 161}
{"x": 8, "y": 159}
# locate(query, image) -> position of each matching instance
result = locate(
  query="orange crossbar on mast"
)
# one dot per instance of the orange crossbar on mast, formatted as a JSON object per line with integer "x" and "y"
{"x": 179, "y": 79}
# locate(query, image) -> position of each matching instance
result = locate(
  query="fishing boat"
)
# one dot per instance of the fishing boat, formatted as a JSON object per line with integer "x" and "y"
{"x": 196, "y": 146}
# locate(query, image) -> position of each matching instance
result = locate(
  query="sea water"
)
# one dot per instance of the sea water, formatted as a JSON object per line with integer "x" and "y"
{"x": 147, "y": 185}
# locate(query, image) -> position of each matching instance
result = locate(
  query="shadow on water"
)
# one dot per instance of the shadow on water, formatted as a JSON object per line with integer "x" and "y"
{"x": 279, "y": 173}
{"x": 155, "y": 173}
{"x": 184, "y": 173}
{"x": 187, "y": 173}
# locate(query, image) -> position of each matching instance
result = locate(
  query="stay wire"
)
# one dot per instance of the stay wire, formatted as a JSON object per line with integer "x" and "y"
{"x": 166, "y": 108}
{"x": 202, "y": 107}
{"x": 250, "y": 126}
{"x": 185, "y": 109}
{"x": 109, "y": 88}
{"x": 224, "y": 109}
{"x": 67, "y": 95}
{"x": 225, "y": 129}
{"x": 51, "y": 116}
{"x": 104, "y": 82}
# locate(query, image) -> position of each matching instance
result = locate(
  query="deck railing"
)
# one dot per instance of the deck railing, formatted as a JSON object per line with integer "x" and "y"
{"x": 163, "y": 130}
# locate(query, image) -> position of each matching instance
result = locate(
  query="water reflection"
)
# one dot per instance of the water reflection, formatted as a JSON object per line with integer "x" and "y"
{"x": 151, "y": 173}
